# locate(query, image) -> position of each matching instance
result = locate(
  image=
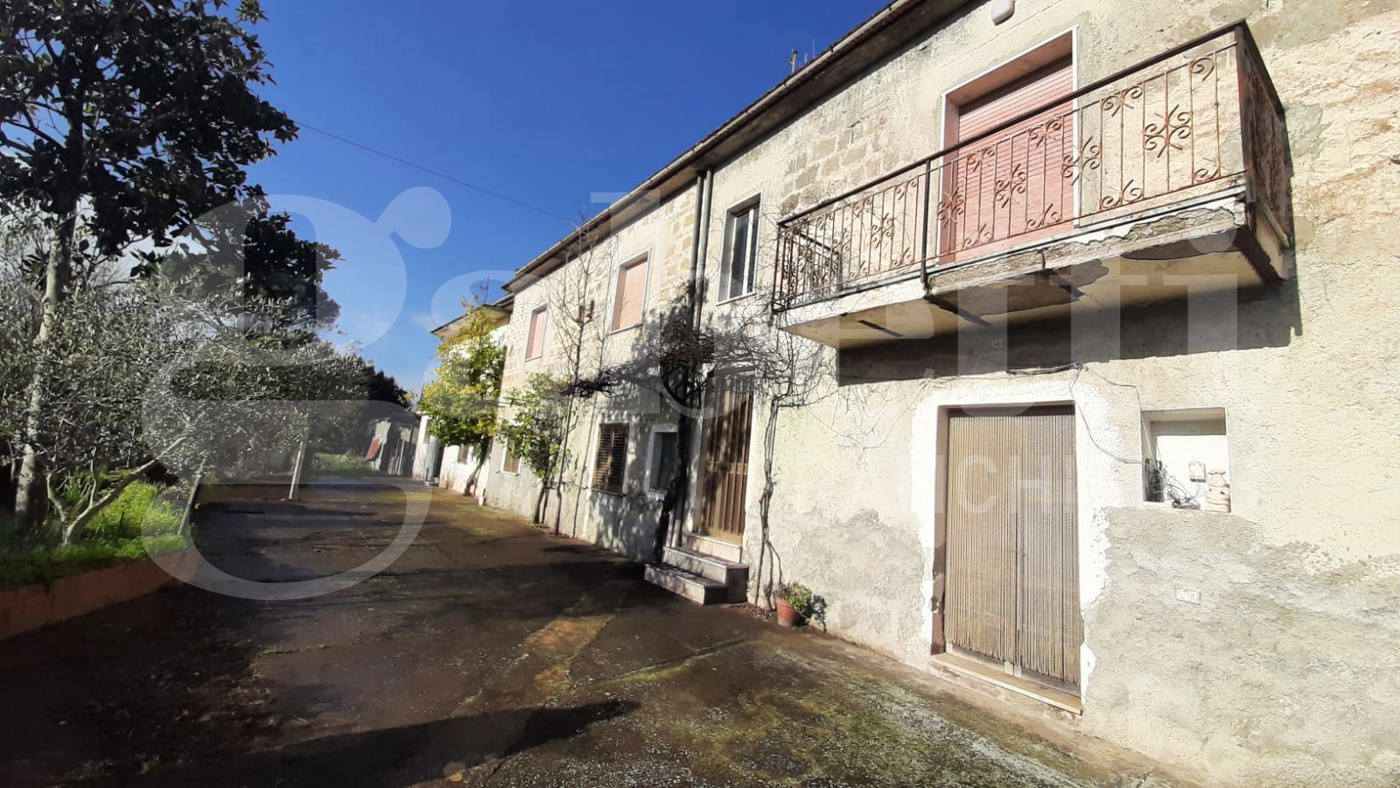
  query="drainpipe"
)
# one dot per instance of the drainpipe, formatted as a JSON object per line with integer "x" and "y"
{"x": 698, "y": 247}
{"x": 701, "y": 245}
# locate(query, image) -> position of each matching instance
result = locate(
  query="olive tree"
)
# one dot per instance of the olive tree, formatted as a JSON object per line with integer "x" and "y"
{"x": 121, "y": 121}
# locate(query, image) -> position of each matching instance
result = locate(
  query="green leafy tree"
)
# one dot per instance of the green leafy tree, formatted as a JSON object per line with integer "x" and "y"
{"x": 120, "y": 120}
{"x": 535, "y": 429}
{"x": 462, "y": 399}
{"x": 248, "y": 247}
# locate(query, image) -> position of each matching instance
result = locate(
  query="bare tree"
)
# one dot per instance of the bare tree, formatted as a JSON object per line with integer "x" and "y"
{"x": 577, "y": 299}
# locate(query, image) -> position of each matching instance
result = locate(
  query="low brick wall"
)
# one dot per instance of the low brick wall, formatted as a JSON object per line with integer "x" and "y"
{"x": 30, "y": 607}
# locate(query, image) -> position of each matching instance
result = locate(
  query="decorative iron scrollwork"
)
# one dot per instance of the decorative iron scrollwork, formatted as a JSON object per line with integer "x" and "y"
{"x": 1089, "y": 157}
{"x": 1170, "y": 131}
{"x": 1123, "y": 99}
{"x": 1131, "y": 193}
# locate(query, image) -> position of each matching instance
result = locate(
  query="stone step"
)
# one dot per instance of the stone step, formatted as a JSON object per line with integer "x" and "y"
{"x": 732, "y": 574}
{"x": 726, "y": 551}
{"x": 687, "y": 584}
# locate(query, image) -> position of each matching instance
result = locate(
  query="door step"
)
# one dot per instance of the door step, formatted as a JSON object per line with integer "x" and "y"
{"x": 718, "y": 548}
{"x": 689, "y": 585}
{"x": 699, "y": 577}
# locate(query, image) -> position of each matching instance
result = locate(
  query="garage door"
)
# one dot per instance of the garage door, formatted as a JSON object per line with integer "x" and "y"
{"x": 1012, "y": 565}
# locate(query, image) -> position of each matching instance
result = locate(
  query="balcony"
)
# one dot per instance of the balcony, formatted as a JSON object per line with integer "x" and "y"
{"x": 1166, "y": 178}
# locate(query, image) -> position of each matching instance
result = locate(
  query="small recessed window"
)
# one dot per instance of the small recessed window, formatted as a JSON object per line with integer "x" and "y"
{"x": 1187, "y": 458}
{"x": 610, "y": 463}
{"x": 662, "y": 458}
{"x": 534, "y": 346}
{"x": 740, "y": 252}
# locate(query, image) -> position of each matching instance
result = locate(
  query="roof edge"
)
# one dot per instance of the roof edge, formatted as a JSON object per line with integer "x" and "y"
{"x": 693, "y": 159}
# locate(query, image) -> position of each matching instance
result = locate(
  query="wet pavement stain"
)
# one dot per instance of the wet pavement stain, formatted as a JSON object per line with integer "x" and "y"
{"x": 490, "y": 653}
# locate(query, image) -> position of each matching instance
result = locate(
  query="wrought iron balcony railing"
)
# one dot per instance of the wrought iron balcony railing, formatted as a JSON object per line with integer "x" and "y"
{"x": 1189, "y": 124}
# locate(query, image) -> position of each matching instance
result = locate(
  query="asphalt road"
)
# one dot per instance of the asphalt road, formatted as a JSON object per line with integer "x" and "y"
{"x": 490, "y": 652}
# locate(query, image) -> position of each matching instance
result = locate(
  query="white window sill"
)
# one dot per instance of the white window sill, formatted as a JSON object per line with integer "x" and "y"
{"x": 724, "y": 301}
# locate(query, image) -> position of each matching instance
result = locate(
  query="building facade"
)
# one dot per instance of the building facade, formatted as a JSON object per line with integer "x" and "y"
{"x": 1096, "y": 297}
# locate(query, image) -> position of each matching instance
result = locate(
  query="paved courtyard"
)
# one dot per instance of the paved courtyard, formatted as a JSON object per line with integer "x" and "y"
{"x": 490, "y": 653}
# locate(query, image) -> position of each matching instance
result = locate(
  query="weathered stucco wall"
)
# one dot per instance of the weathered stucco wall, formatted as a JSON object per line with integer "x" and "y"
{"x": 1246, "y": 657}
{"x": 1284, "y": 670}
{"x": 1302, "y": 371}
{"x": 618, "y": 522}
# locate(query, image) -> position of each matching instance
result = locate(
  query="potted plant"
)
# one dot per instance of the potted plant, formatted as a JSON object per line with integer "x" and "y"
{"x": 797, "y": 605}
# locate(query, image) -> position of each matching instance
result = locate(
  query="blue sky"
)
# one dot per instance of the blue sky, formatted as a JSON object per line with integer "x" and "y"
{"x": 548, "y": 102}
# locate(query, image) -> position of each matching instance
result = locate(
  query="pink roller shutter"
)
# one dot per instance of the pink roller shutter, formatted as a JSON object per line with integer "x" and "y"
{"x": 534, "y": 347}
{"x": 1011, "y": 184}
{"x": 631, "y": 292}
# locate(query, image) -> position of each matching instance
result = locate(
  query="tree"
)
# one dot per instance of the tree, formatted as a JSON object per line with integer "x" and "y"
{"x": 535, "y": 430}
{"x": 121, "y": 120}
{"x": 247, "y": 246}
{"x": 680, "y": 356}
{"x": 145, "y": 375}
{"x": 462, "y": 399}
{"x": 573, "y": 292}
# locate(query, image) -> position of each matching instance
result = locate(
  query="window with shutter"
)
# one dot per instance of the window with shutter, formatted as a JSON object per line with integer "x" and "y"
{"x": 534, "y": 346}
{"x": 631, "y": 293}
{"x": 611, "y": 459}
{"x": 510, "y": 463}
{"x": 1010, "y": 185}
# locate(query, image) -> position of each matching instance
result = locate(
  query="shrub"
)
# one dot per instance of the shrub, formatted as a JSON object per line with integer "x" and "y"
{"x": 809, "y": 605}
{"x": 113, "y": 536}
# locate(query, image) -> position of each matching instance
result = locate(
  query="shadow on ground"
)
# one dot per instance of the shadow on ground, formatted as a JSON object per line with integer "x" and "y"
{"x": 490, "y": 650}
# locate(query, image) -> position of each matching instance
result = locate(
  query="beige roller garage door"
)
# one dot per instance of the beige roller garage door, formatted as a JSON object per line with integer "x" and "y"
{"x": 1013, "y": 580}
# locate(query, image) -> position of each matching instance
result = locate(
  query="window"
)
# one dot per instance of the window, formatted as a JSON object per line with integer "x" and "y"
{"x": 510, "y": 463}
{"x": 611, "y": 460}
{"x": 662, "y": 458}
{"x": 534, "y": 347}
{"x": 740, "y": 252}
{"x": 1187, "y": 459}
{"x": 631, "y": 293}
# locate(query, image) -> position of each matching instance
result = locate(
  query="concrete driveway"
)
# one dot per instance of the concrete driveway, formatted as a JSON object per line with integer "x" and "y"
{"x": 490, "y": 652}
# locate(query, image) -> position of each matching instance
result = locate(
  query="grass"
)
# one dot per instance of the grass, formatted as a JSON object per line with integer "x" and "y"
{"x": 339, "y": 465}
{"x": 114, "y": 536}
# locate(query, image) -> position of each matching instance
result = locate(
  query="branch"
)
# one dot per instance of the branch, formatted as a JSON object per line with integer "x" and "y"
{"x": 72, "y": 530}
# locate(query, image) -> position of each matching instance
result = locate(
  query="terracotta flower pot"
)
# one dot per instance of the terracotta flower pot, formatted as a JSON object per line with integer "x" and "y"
{"x": 787, "y": 615}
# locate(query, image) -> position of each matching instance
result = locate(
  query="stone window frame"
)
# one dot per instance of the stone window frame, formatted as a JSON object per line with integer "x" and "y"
{"x": 752, "y": 203}
{"x": 543, "y": 327}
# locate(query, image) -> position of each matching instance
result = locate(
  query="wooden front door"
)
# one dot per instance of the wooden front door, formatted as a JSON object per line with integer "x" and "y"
{"x": 1012, "y": 559}
{"x": 725, "y": 461}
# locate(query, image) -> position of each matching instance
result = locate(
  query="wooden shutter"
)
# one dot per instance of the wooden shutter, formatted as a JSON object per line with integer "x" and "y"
{"x": 631, "y": 292}
{"x": 534, "y": 348}
{"x": 611, "y": 460}
{"x": 1011, "y": 185}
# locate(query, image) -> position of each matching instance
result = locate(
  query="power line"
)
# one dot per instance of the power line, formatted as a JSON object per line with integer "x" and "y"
{"x": 431, "y": 171}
